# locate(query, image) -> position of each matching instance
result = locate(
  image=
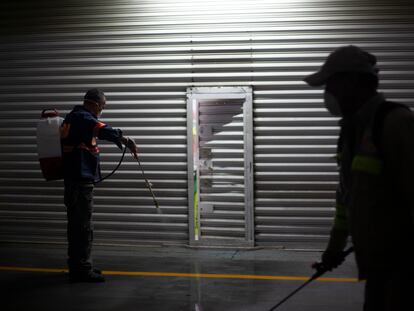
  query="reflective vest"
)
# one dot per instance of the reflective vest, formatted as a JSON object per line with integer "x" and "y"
{"x": 367, "y": 202}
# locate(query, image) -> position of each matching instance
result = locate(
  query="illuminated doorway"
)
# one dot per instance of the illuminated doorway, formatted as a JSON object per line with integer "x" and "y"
{"x": 220, "y": 166}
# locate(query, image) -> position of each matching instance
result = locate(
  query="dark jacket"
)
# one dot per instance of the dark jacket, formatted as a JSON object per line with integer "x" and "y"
{"x": 79, "y": 147}
{"x": 375, "y": 198}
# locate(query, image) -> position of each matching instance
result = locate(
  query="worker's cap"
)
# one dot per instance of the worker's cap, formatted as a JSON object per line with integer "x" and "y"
{"x": 344, "y": 59}
{"x": 95, "y": 95}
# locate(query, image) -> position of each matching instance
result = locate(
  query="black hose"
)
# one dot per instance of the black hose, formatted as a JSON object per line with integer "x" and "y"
{"x": 143, "y": 175}
{"x": 114, "y": 170}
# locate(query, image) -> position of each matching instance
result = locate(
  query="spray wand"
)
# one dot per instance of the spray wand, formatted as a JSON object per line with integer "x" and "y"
{"x": 147, "y": 182}
{"x": 320, "y": 270}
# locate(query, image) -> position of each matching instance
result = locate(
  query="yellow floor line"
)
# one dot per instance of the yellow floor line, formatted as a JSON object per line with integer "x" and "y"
{"x": 186, "y": 275}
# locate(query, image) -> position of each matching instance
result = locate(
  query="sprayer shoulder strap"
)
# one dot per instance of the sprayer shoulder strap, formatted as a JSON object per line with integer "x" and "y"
{"x": 379, "y": 121}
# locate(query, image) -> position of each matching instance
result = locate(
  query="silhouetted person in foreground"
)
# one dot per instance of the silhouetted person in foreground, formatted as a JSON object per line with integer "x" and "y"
{"x": 375, "y": 195}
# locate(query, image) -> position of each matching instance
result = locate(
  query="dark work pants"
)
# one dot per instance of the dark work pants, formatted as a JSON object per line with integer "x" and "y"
{"x": 392, "y": 291}
{"x": 79, "y": 204}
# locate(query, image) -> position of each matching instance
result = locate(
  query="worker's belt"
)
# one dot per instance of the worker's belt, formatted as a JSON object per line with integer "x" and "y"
{"x": 69, "y": 148}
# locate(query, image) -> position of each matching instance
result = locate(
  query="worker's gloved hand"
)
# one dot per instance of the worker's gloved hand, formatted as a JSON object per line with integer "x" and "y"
{"x": 132, "y": 147}
{"x": 330, "y": 260}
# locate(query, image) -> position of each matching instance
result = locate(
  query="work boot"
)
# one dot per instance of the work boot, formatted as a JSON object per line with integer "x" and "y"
{"x": 92, "y": 277}
{"x": 96, "y": 270}
{"x": 87, "y": 277}
{"x": 75, "y": 272}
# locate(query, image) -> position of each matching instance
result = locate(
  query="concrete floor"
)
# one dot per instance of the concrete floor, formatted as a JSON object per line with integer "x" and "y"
{"x": 51, "y": 290}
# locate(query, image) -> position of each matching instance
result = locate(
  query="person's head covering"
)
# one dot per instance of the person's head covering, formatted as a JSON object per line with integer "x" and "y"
{"x": 344, "y": 59}
{"x": 95, "y": 95}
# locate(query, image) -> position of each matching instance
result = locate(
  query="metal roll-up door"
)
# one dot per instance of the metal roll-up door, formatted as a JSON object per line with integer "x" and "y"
{"x": 144, "y": 55}
{"x": 295, "y": 137}
{"x": 52, "y": 65}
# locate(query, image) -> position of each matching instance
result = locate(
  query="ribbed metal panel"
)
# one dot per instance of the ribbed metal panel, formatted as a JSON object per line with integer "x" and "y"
{"x": 144, "y": 54}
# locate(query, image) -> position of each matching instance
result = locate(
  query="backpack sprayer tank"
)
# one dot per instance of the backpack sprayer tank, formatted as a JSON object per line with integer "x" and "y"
{"x": 49, "y": 150}
{"x": 48, "y": 144}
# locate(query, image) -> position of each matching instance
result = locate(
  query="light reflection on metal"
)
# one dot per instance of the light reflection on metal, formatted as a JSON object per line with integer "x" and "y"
{"x": 145, "y": 53}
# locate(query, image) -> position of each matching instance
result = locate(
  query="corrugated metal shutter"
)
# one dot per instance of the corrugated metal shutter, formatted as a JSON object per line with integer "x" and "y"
{"x": 145, "y": 54}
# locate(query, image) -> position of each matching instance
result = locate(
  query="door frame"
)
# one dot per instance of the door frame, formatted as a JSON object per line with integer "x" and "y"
{"x": 222, "y": 93}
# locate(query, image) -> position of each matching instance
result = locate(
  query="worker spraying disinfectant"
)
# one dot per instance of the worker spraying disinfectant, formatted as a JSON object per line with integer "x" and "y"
{"x": 68, "y": 149}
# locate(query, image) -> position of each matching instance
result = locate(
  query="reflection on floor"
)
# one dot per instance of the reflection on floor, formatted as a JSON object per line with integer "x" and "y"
{"x": 137, "y": 289}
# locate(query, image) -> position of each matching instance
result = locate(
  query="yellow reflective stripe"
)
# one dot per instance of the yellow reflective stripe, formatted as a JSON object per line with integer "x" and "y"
{"x": 366, "y": 164}
{"x": 340, "y": 221}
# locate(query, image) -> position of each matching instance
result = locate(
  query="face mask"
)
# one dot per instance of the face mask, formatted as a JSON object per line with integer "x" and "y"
{"x": 332, "y": 104}
{"x": 99, "y": 114}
